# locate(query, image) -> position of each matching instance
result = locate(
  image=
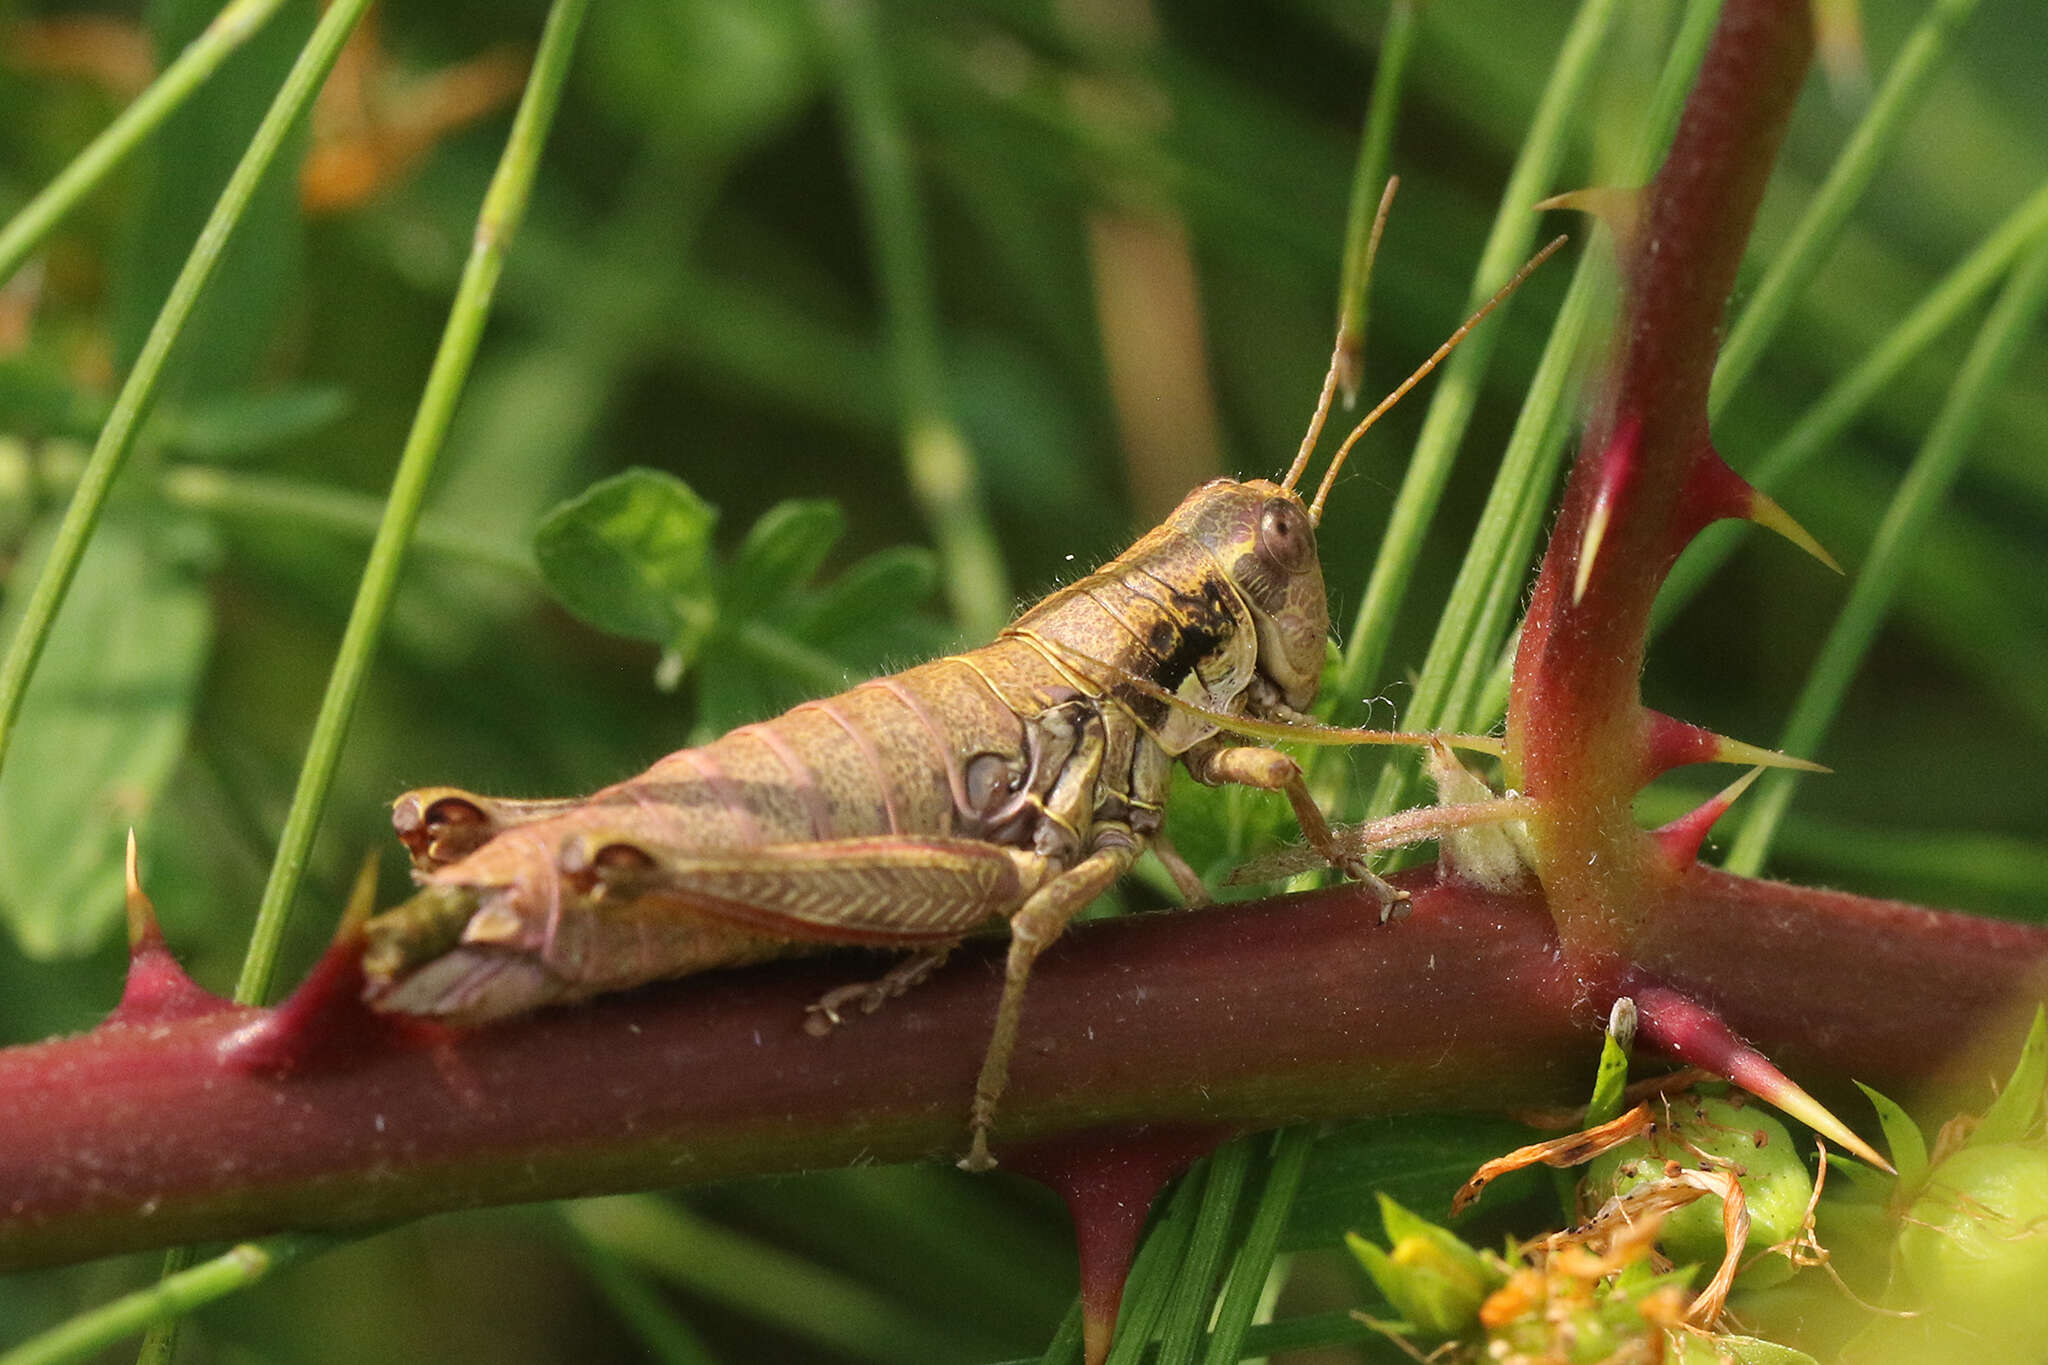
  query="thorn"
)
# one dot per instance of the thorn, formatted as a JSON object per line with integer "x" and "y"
{"x": 1617, "y": 470}
{"x": 1765, "y": 512}
{"x": 1714, "y": 491}
{"x": 1681, "y": 839}
{"x": 157, "y": 990}
{"x": 1672, "y": 743}
{"x": 1619, "y": 207}
{"x": 143, "y": 929}
{"x": 1684, "y": 1029}
{"x": 324, "y": 1024}
{"x": 1728, "y": 750}
{"x": 362, "y": 896}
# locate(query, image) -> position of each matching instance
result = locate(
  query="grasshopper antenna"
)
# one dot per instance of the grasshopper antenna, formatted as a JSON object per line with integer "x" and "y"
{"x": 1315, "y": 423}
{"x": 1315, "y": 509}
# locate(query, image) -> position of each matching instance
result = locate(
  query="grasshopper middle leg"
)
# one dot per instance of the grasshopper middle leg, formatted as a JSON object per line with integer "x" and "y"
{"x": 1214, "y": 764}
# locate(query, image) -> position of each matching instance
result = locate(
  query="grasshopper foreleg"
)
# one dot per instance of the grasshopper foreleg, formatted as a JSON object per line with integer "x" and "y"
{"x": 1213, "y": 764}
{"x": 1032, "y": 929}
{"x": 830, "y": 1009}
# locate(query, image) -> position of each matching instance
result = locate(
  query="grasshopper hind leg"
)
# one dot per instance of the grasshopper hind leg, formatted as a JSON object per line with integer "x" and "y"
{"x": 829, "y": 1010}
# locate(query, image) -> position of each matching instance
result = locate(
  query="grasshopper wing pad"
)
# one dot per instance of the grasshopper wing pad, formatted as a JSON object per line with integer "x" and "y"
{"x": 877, "y": 890}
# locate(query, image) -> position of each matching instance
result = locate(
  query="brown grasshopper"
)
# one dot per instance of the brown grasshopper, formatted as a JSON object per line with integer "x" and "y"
{"x": 1012, "y": 782}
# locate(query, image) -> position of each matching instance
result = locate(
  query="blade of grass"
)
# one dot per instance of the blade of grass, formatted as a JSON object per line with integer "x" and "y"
{"x": 935, "y": 451}
{"x": 1065, "y": 1346}
{"x": 37, "y": 219}
{"x": 138, "y": 393}
{"x": 762, "y": 1281}
{"x": 1846, "y": 399}
{"x": 1151, "y": 1280}
{"x": 1458, "y": 384}
{"x": 1920, "y": 495}
{"x": 92, "y": 1332}
{"x": 665, "y": 1336}
{"x": 1187, "y": 1313}
{"x": 504, "y": 204}
{"x": 1240, "y": 1301}
{"x": 1883, "y": 124}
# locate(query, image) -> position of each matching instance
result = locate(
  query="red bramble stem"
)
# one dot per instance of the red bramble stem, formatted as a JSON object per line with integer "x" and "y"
{"x": 1579, "y": 740}
{"x": 1244, "y": 1017}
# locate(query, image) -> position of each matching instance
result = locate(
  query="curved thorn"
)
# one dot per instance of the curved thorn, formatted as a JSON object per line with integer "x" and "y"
{"x": 1617, "y": 468}
{"x": 362, "y": 896}
{"x": 1681, "y": 839}
{"x": 1680, "y": 1027}
{"x": 1619, "y": 207}
{"x": 1673, "y": 743}
{"x": 143, "y": 930}
{"x": 1765, "y": 512}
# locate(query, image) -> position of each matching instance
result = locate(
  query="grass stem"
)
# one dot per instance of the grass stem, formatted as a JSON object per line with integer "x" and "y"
{"x": 504, "y": 204}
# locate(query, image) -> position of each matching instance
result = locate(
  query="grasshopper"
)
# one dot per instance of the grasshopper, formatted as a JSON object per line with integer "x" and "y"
{"x": 1012, "y": 782}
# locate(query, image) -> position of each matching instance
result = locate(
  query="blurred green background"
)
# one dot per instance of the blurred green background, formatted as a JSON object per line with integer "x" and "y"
{"x": 1135, "y": 215}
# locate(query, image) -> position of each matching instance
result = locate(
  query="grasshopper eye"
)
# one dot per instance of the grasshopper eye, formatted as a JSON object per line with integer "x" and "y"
{"x": 1286, "y": 540}
{"x": 439, "y": 830}
{"x": 452, "y": 811}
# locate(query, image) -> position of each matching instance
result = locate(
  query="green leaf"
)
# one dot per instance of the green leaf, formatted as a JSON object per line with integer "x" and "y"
{"x": 102, "y": 726}
{"x": 782, "y": 552}
{"x": 239, "y": 424}
{"x": 632, "y": 555}
{"x": 2011, "y": 1116}
{"x": 1908, "y": 1145}
{"x": 879, "y": 588}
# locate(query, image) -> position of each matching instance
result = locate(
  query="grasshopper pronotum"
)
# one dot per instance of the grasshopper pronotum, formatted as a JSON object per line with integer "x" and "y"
{"x": 1015, "y": 781}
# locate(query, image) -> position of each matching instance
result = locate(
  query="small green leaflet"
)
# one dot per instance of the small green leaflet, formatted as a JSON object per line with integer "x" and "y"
{"x": 633, "y": 555}
{"x": 1903, "y": 1136}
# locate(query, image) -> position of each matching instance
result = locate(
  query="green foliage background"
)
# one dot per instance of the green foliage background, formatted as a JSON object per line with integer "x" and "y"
{"x": 694, "y": 292}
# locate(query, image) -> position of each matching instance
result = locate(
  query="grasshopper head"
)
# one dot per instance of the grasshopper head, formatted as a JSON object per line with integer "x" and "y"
{"x": 1262, "y": 536}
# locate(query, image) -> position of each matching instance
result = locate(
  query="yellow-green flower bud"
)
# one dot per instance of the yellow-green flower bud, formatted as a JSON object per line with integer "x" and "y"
{"x": 1432, "y": 1278}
